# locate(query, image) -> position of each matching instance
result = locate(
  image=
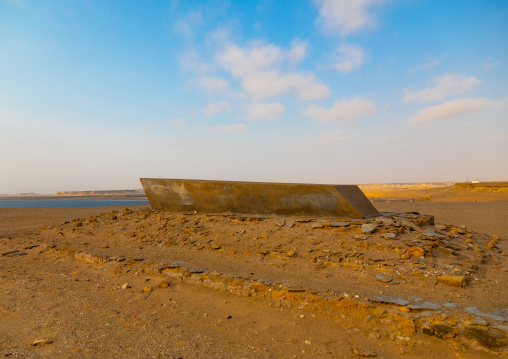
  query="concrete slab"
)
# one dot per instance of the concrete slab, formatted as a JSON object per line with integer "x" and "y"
{"x": 263, "y": 198}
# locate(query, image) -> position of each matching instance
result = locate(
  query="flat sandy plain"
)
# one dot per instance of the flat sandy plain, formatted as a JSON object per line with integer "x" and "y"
{"x": 110, "y": 282}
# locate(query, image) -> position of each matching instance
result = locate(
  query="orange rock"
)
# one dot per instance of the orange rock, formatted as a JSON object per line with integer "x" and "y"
{"x": 413, "y": 252}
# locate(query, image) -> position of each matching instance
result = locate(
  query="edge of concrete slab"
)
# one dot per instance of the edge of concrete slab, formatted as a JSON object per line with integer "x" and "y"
{"x": 265, "y": 198}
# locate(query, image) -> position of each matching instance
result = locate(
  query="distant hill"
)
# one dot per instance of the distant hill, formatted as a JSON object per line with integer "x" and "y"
{"x": 124, "y": 192}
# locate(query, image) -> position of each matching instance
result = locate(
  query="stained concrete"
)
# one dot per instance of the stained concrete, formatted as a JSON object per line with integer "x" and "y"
{"x": 258, "y": 198}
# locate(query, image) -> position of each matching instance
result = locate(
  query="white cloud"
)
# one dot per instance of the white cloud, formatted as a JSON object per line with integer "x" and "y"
{"x": 333, "y": 138}
{"x": 213, "y": 83}
{"x": 449, "y": 109}
{"x": 258, "y": 68}
{"x": 185, "y": 26}
{"x": 349, "y": 58}
{"x": 215, "y": 108}
{"x": 489, "y": 63}
{"x": 425, "y": 66}
{"x": 264, "y": 111}
{"x": 179, "y": 122}
{"x": 445, "y": 86}
{"x": 239, "y": 127}
{"x": 346, "y": 16}
{"x": 343, "y": 111}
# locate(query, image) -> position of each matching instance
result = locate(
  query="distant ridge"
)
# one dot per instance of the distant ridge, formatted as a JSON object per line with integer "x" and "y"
{"x": 125, "y": 192}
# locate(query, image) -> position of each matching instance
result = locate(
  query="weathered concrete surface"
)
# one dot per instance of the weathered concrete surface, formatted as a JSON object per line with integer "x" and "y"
{"x": 258, "y": 198}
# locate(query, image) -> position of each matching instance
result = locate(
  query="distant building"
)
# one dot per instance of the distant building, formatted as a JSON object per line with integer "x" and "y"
{"x": 475, "y": 181}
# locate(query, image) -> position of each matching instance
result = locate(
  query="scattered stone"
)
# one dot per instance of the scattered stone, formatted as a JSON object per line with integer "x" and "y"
{"x": 384, "y": 278}
{"x": 389, "y": 235}
{"x": 147, "y": 289}
{"x": 42, "y": 342}
{"x": 425, "y": 305}
{"x": 413, "y": 252}
{"x": 308, "y": 342}
{"x": 390, "y": 299}
{"x": 125, "y": 286}
{"x": 14, "y": 254}
{"x": 453, "y": 280}
{"x": 450, "y": 305}
{"x": 385, "y": 221}
{"x": 291, "y": 253}
{"x": 280, "y": 222}
{"x": 339, "y": 224}
{"x": 474, "y": 310}
{"x": 368, "y": 228}
{"x": 163, "y": 284}
{"x": 360, "y": 237}
{"x": 486, "y": 338}
{"x": 363, "y": 353}
{"x": 415, "y": 299}
{"x": 479, "y": 321}
{"x": 405, "y": 309}
{"x": 503, "y": 328}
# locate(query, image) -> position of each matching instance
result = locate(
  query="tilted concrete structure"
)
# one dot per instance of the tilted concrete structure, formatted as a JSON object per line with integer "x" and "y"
{"x": 258, "y": 198}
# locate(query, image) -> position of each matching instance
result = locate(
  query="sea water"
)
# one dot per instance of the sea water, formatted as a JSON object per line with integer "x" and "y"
{"x": 69, "y": 203}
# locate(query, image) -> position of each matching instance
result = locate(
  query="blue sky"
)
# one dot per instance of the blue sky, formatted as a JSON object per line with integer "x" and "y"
{"x": 96, "y": 94}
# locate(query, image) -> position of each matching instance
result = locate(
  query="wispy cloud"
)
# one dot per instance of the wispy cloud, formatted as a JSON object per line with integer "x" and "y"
{"x": 259, "y": 68}
{"x": 450, "y": 109}
{"x": 349, "y": 58}
{"x": 238, "y": 127}
{"x": 215, "y": 108}
{"x": 342, "y": 111}
{"x": 213, "y": 83}
{"x": 345, "y": 17}
{"x": 179, "y": 122}
{"x": 186, "y": 26}
{"x": 445, "y": 87}
{"x": 264, "y": 111}
{"x": 490, "y": 63}
{"x": 425, "y": 66}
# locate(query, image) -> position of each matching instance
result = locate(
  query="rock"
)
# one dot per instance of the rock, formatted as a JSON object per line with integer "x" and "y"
{"x": 317, "y": 225}
{"x": 361, "y": 237}
{"x": 125, "y": 286}
{"x": 389, "y": 235}
{"x": 413, "y": 252}
{"x": 486, "y": 338}
{"x": 363, "y": 353}
{"x": 280, "y": 222}
{"x": 474, "y": 310}
{"x": 415, "y": 299}
{"x": 291, "y": 253}
{"x": 405, "y": 309}
{"x": 368, "y": 227}
{"x": 503, "y": 328}
{"x": 441, "y": 331}
{"x": 479, "y": 321}
{"x": 42, "y": 342}
{"x": 385, "y": 221}
{"x": 450, "y": 305}
{"x": 389, "y": 299}
{"x": 14, "y": 254}
{"x": 453, "y": 280}
{"x": 425, "y": 305}
{"x": 163, "y": 284}
{"x": 339, "y": 224}
{"x": 383, "y": 278}
{"x": 440, "y": 227}
{"x": 147, "y": 289}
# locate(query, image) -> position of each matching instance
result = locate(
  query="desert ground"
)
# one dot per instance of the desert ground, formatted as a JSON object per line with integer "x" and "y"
{"x": 136, "y": 283}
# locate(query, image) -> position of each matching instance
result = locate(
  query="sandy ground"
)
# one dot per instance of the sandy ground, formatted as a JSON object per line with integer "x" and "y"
{"x": 236, "y": 287}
